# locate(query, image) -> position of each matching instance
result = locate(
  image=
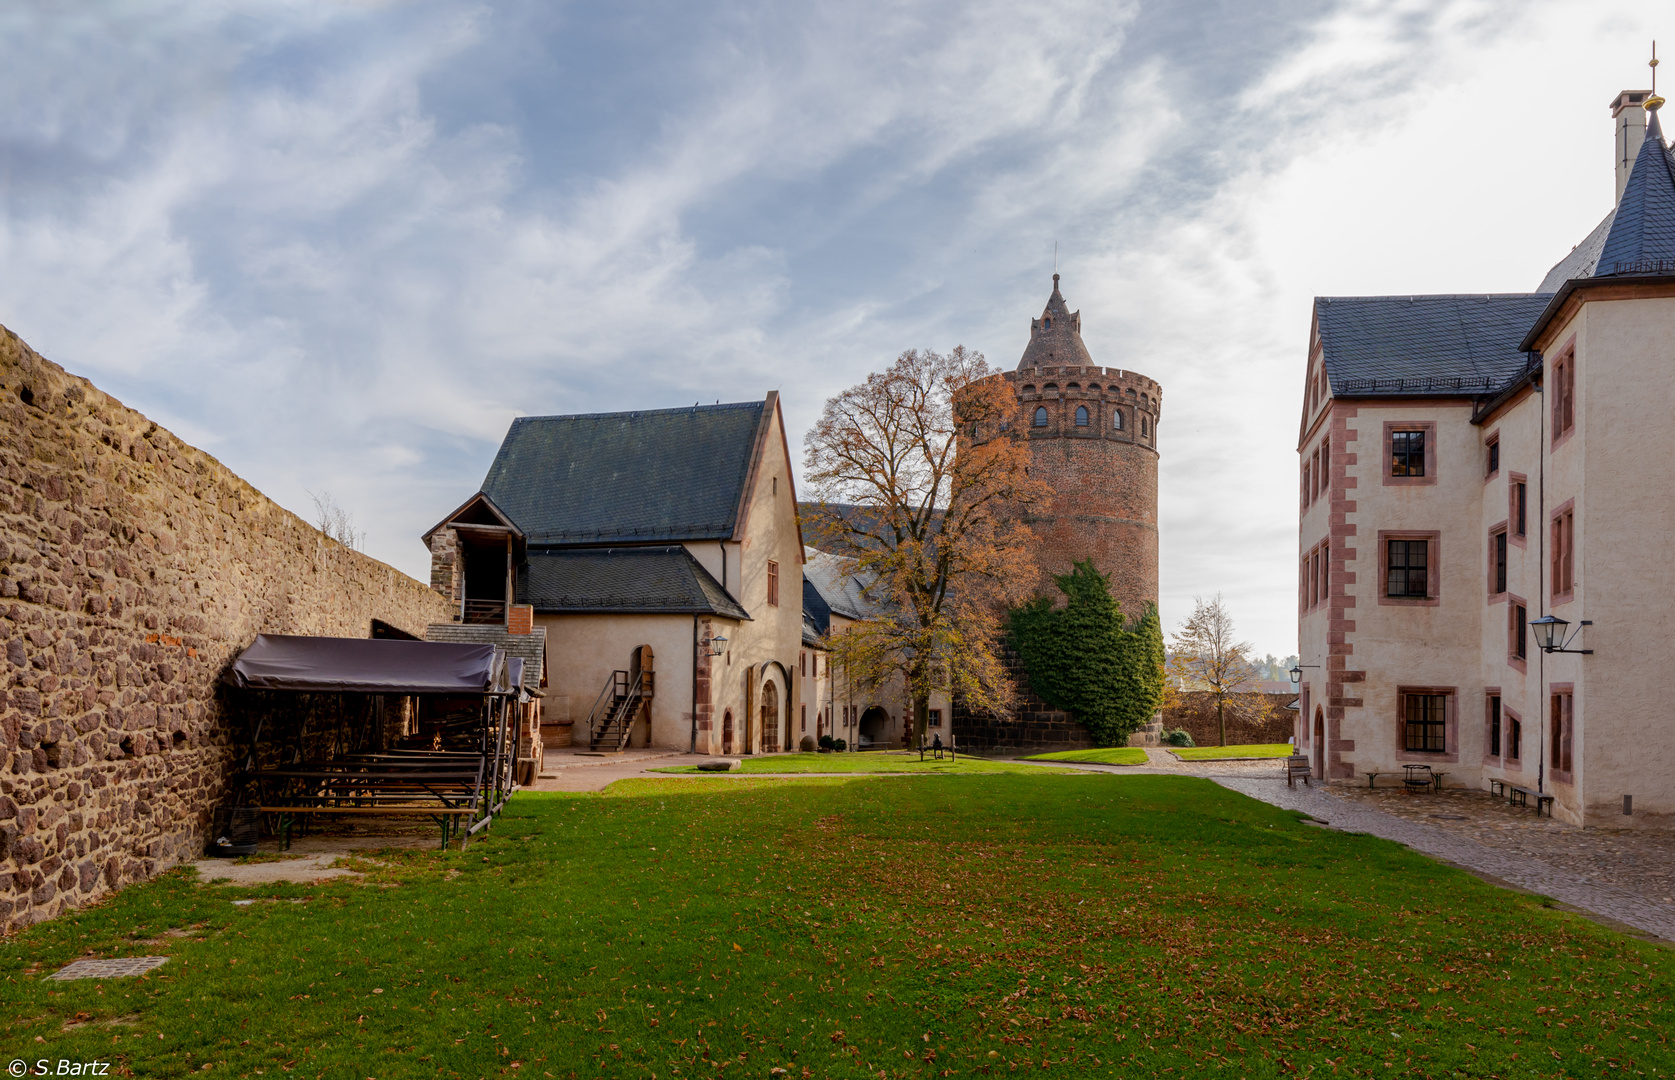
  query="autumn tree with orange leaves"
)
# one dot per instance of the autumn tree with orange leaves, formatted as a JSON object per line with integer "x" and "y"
{"x": 930, "y": 519}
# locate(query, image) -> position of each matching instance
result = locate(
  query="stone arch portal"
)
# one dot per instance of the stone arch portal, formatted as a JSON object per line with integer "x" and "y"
{"x": 874, "y": 723}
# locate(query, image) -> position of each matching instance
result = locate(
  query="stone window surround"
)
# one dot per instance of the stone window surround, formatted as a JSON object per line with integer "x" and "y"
{"x": 1554, "y": 516}
{"x": 1451, "y": 725}
{"x": 1492, "y": 693}
{"x": 1496, "y": 530}
{"x": 1492, "y": 439}
{"x": 1564, "y": 361}
{"x": 1513, "y": 479}
{"x": 1510, "y": 716}
{"x": 1429, "y": 427}
{"x": 1567, "y": 734}
{"x": 1513, "y": 603}
{"x": 1433, "y": 565}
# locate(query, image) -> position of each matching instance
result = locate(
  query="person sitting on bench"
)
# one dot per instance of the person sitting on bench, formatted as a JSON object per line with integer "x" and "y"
{"x": 936, "y": 745}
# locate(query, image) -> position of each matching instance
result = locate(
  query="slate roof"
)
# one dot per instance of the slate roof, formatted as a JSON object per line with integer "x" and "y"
{"x": 1424, "y": 345}
{"x": 817, "y": 614}
{"x": 1642, "y": 238}
{"x": 1582, "y": 259}
{"x": 634, "y": 581}
{"x": 654, "y": 476}
{"x": 833, "y": 577}
{"x": 1061, "y": 341}
{"x": 531, "y": 648}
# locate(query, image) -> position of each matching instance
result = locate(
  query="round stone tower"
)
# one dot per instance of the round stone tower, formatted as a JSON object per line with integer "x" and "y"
{"x": 1093, "y": 439}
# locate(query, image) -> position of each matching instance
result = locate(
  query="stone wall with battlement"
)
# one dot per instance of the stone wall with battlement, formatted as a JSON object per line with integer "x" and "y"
{"x": 1103, "y": 476}
{"x": 133, "y": 569}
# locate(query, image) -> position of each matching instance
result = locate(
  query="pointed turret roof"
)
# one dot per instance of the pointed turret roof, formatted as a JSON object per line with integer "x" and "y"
{"x": 1056, "y": 337}
{"x": 1642, "y": 237}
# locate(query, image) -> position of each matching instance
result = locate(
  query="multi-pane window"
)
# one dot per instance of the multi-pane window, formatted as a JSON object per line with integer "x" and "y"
{"x": 1564, "y": 553}
{"x": 1407, "y": 453}
{"x": 1564, "y": 396}
{"x": 773, "y": 583}
{"x": 1426, "y": 725}
{"x": 1494, "y": 457}
{"x": 1145, "y": 427}
{"x": 1520, "y": 630}
{"x": 1500, "y": 561}
{"x": 1081, "y": 416}
{"x": 804, "y": 717}
{"x": 1520, "y": 507}
{"x": 1514, "y": 738}
{"x": 1408, "y": 568}
{"x": 935, "y": 718}
{"x": 1041, "y": 416}
{"x": 1308, "y": 494}
{"x": 1116, "y": 419}
{"x": 1494, "y": 725}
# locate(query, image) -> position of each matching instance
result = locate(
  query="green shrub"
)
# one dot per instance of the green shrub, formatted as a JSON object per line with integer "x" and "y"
{"x": 840, "y": 745}
{"x": 825, "y": 742}
{"x": 1086, "y": 659}
{"x": 1178, "y": 737}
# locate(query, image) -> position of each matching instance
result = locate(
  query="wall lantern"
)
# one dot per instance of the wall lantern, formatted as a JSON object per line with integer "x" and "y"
{"x": 716, "y": 645}
{"x": 1297, "y": 671}
{"x": 1550, "y": 634}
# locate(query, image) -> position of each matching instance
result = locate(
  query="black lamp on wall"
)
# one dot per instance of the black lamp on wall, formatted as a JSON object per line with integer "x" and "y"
{"x": 1550, "y": 634}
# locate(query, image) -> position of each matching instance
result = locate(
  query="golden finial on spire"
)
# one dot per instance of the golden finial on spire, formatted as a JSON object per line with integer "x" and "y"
{"x": 1654, "y": 102}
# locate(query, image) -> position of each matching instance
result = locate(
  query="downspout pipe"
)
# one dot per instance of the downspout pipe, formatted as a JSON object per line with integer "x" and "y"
{"x": 692, "y": 746}
{"x": 1541, "y": 598}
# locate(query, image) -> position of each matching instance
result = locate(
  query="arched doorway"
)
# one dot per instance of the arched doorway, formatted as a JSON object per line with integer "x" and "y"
{"x": 1319, "y": 744}
{"x": 874, "y": 722}
{"x": 727, "y": 732}
{"x": 770, "y": 717}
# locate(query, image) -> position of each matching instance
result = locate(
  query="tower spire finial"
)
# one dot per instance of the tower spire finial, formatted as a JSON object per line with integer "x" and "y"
{"x": 1654, "y": 102}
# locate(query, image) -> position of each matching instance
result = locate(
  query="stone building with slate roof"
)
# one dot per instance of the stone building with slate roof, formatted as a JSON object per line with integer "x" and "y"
{"x": 656, "y": 549}
{"x": 1477, "y": 471}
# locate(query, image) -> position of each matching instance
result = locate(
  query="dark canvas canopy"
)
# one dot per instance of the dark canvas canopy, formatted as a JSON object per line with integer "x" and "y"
{"x": 364, "y": 666}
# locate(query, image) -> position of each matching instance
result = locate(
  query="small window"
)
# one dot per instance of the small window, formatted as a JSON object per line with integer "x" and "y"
{"x": 1494, "y": 725}
{"x": 1409, "y": 569}
{"x": 935, "y": 718}
{"x": 1520, "y": 507}
{"x": 1514, "y": 738}
{"x": 1499, "y": 556}
{"x": 1561, "y": 714}
{"x": 1520, "y": 632}
{"x": 804, "y": 718}
{"x": 1426, "y": 717}
{"x": 1564, "y": 554}
{"x": 1041, "y": 416}
{"x": 1081, "y": 416}
{"x": 1072, "y": 386}
{"x": 1407, "y": 453}
{"x": 1145, "y": 427}
{"x": 1564, "y": 396}
{"x": 1116, "y": 419}
{"x": 773, "y": 583}
{"x": 1494, "y": 457}
{"x": 802, "y": 664}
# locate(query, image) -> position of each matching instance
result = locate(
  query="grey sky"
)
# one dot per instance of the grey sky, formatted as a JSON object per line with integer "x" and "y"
{"x": 341, "y": 245}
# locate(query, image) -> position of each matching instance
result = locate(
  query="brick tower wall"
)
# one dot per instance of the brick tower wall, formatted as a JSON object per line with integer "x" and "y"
{"x": 1104, "y": 478}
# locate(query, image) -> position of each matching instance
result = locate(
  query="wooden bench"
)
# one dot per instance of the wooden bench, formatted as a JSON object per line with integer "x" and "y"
{"x": 1297, "y": 767}
{"x": 1497, "y": 787}
{"x": 1521, "y": 796}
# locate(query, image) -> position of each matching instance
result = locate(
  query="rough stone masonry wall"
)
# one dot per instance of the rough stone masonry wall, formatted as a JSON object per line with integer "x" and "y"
{"x": 133, "y": 568}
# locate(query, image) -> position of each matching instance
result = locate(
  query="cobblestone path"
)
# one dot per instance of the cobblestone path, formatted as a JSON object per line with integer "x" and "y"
{"x": 1512, "y": 862}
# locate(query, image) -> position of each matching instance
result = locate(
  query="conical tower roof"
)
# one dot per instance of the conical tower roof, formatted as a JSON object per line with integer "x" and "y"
{"x": 1056, "y": 337}
{"x": 1642, "y": 237}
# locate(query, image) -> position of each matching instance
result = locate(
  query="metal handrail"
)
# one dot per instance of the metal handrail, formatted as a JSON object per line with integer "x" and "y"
{"x": 630, "y": 694}
{"x": 593, "y": 713}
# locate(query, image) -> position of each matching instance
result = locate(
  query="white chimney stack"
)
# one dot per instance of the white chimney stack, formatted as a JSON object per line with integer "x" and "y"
{"x": 1628, "y": 111}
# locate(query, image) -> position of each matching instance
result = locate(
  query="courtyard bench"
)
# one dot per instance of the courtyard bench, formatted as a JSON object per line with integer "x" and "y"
{"x": 1297, "y": 767}
{"x": 931, "y": 748}
{"x": 1521, "y": 796}
{"x": 1497, "y": 788}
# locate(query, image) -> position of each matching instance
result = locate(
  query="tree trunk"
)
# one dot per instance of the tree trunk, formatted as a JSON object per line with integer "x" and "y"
{"x": 921, "y": 717}
{"x": 1221, "y": 718}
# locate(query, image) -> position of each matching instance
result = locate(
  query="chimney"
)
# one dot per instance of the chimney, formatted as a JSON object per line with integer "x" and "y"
{"x": 1627, "y": 110}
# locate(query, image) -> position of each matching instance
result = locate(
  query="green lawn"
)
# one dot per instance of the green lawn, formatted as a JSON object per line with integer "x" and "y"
{"x": 1212, "y": 753}
{"x": 868, "y": 761}
{"x": 1089, "y": 925}
{"x": 1111, "y": 755}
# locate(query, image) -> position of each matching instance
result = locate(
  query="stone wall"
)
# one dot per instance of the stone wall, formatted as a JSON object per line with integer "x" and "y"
{"x": 133, "y": 568}
{"x": 1034, "y": 727}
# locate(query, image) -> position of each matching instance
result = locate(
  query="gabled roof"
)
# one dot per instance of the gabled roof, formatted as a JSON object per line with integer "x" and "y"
{"x": 655, "y": 476}
{"x": 634, "y": 581}
{"x": 833, "y": 577}
{"x": 1424, "y": 345}
{"x": 1642, "y": 237}
{"x": 478, "y": 511}
{"x": 817, "y": 614}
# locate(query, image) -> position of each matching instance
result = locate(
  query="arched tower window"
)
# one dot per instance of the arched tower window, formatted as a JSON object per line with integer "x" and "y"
{"x": 1081, "y": 416}
{"x": 1116, "y": 419}
{"x": 1145, "y": 428}
{"x": 1041, "y": 416}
